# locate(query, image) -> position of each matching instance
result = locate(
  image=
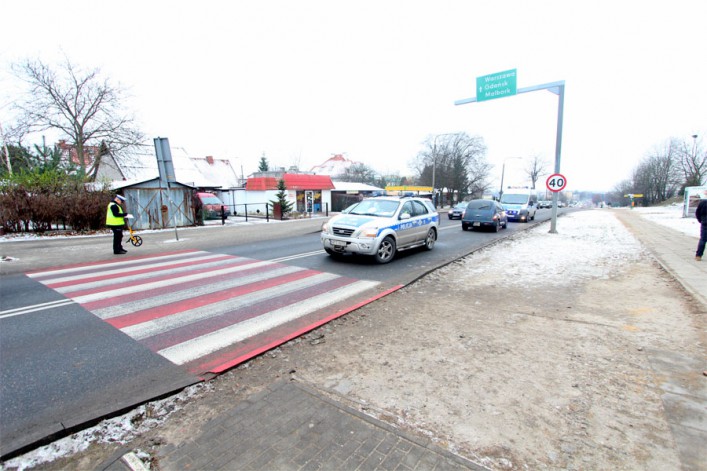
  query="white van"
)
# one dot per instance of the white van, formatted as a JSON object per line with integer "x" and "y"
{"x": 520, "y": 204}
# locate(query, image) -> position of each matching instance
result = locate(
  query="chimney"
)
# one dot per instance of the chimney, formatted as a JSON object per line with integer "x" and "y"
{"x": 210, "y": 159}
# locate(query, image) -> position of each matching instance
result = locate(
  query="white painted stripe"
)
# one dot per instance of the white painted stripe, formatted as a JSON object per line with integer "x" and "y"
{"x": 120, "y": 263}
{"x": 204, "y": 345}
{"x": 175, "y": 321}
{"x": 160, "y": 271}
{"x": 114, "y": 292}
{"x": 34, "y": 308}
{"x": 181, "y": 295}
{"x": 301, "y": 255}
{"x": 117, "y": 271}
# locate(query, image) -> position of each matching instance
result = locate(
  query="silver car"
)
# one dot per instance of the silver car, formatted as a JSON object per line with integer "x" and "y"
{"x": 381, "y": 226}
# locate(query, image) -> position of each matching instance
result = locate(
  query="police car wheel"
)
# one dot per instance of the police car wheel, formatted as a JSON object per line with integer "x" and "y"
{"x": 386, "y": 251}
{"x": 430, "y": 239}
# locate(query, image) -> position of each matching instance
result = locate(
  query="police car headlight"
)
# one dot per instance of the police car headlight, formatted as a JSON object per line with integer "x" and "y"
{"x": 369, "y": 233}
{"x": 325, "y": 227}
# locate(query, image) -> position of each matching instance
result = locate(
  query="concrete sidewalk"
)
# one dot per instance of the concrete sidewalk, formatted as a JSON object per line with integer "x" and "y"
{"x": 290, "y": 426}
{"x": 684, "y": 387}
{"x": 674, "y": 250}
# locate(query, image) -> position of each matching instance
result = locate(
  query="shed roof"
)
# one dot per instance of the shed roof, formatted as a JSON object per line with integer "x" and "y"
{"x": 141, "y": 164}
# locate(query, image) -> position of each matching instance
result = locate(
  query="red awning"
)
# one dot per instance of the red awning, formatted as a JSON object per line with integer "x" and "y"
{"x": 293, "y": 181}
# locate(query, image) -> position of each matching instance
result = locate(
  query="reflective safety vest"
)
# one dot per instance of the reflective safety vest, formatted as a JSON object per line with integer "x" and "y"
{"x": 114, "y": 220}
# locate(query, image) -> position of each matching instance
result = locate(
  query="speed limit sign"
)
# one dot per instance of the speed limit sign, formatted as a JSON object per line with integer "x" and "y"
{"x": 556, "y": 182}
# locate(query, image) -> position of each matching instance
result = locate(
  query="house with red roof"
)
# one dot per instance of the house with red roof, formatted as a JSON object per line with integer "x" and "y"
{"x": 308, "y": 193}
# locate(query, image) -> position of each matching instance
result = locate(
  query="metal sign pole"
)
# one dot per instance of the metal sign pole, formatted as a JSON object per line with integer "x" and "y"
{"x": 558, "y": 149}
{"x": 166, "y": 169}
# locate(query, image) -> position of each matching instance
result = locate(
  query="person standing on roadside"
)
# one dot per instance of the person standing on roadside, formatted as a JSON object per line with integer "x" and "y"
{"x": 701, "y": 215}
{"x": 115, "y": 219}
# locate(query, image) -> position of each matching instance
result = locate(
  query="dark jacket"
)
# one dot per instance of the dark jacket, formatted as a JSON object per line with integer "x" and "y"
{"x": 701, "y": 211}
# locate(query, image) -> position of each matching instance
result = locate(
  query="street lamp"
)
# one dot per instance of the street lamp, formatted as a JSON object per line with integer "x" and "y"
{"x": 694, "y": 146}
{"x": 503, "y": 171}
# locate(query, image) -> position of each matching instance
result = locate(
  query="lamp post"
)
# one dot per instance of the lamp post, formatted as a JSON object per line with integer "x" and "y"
{"x": 503, "y": 172}
{"x": 434, "y": 165}
{"x": 694, "y": 146}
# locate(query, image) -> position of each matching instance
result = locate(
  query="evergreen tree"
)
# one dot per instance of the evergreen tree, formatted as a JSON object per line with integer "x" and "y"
{"x": 282, "y": 197}
{"x": 264, "y": 166}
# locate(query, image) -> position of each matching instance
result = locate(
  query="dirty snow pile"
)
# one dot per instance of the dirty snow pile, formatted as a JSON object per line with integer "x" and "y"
{"x": 587, "y": 245}
{"x": 671, "y": 216}
{"x": 116, "y": 430}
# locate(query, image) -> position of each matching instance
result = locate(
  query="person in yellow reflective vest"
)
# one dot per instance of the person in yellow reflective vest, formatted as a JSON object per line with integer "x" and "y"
{"x": 115, "y": 219}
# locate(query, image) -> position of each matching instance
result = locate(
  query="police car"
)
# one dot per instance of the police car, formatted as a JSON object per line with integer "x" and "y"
{"x": 382, "y": 226}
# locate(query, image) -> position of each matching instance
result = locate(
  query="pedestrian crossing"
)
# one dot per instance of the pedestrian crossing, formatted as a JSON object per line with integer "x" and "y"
{"x": 205, "y": 311}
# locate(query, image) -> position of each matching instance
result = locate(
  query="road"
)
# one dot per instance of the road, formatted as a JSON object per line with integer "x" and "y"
{"x": 63, "y": 367}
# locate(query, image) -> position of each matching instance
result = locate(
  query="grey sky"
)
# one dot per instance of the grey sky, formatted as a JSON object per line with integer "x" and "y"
{"x": 300, "y": 81}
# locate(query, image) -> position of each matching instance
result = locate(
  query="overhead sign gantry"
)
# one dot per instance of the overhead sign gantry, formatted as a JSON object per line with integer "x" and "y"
{"x": 503, "y": 84}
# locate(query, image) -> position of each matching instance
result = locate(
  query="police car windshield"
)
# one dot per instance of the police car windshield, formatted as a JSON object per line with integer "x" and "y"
{"x": 375, "y": 208}
{"x": 514, "y": 199}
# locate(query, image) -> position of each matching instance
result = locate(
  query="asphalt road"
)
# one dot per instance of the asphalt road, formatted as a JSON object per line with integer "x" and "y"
{"x": 63, "y": 367}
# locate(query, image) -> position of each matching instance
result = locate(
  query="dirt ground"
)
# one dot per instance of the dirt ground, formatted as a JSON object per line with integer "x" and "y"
{"x": 552, "y": 378}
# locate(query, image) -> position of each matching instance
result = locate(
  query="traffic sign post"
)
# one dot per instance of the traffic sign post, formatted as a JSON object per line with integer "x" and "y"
{"x": 556, "y": 182}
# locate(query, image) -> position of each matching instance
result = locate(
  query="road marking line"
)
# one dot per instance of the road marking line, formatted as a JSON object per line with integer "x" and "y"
{"x": 107, "y": 264}
{"x": 34, "y": 308}
{"x": 191, "y": 316}
{"x": 210, "y": 343}
{"x": 168, "y": 282}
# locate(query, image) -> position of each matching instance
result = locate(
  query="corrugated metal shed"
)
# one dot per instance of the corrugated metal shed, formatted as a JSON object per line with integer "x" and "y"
{"x": 154, "y": 207}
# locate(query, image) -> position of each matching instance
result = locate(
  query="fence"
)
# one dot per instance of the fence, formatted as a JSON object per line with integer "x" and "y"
{"x": 252, "y": 210}
{"x": 265, "y": 211}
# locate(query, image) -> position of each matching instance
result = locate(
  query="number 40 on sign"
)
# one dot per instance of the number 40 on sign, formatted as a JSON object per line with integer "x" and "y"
{"x": 556, "y": 182}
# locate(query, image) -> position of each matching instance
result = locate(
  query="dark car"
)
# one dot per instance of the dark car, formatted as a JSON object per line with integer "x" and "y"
{"x": 457, "y": 210}
{"x": 212, "y": 206}
{"x": 484, "y": 213}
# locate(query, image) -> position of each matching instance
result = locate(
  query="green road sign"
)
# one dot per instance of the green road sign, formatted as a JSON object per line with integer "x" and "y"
{"x": 496, "y": 85}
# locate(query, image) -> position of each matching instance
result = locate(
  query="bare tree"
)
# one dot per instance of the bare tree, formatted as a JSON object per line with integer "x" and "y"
{"x": 458, "y": 162}
{"x": 536, "y": 167}
{"x": 83, "y": 107}
{"x": 693, "y": 160}
{"x": 360, "y": 173}
{"x": 658, "y": 176}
